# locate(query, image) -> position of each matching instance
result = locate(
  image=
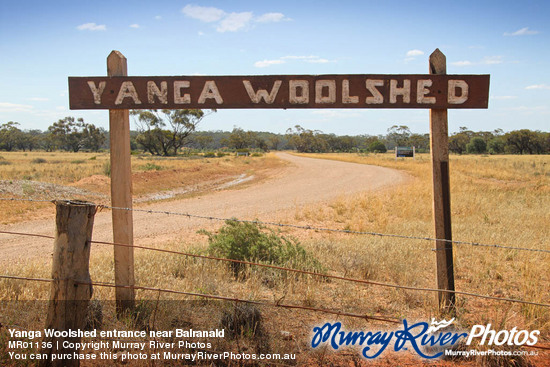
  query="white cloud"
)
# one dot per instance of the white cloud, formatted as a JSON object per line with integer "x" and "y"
{"x": 413, "y": 53}
{"x": 492, "y": 60}
{"x": 230, "y": 22}
{"x": 462, "y": 63}
{"x": 538, "y": 86}
{"x": 522, "y": 32}
{"x": 92, "y": 27}
{"x": 134, "y": 25}
{"x": 271, "y": 18}
{"x": 14, "y": 107}
{"x": 200, "y": 33}
{"x": 266, "y": 63}
{"x": 206, "y": 14}
{"x": 158, "y": 17}
{"x": 234, "y": 22}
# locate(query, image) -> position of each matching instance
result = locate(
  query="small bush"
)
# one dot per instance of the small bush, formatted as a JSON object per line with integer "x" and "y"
{"x": 220, "y": 154}
{"x": 255, "y": 243}
{"x": 257, "y": 154}
{"x": 38, "y": 161}
{"x": 78, "y": 161}
{"x": 93, "y": 158}
{"x": 377, "y": 147}
{"x": 209, "y": 155}
{"x": 4, "y": 163}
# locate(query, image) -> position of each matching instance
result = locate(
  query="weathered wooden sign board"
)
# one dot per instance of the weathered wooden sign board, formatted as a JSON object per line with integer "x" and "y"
{"x": 280, "y": 91}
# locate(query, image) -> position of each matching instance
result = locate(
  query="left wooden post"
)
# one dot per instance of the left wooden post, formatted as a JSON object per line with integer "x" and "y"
{"x": 69, "y": 297}
{"x": 121, "y": 193}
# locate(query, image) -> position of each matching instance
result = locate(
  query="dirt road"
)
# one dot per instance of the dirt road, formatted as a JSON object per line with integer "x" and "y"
{"x": 305, "y": 181}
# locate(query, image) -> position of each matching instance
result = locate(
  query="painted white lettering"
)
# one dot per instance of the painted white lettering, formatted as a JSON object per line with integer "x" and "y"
{"x": 178, "y": 98}
{"x": 452, "y": 96}
{"x": 127, "y": 90}
{"x": 97, "y": 91}
{"x": 154, "y": 91}
{"x": 346, "y": 98}
{"x": 257, "y": 97}
{"x": 210, "y": 91}
{"x": 405, "y": 91}
{"x": 421, "y": 91}
{"x": 320, "y": 86}
{"x": 294, "y": 97}
{"x": 377, "y": 97}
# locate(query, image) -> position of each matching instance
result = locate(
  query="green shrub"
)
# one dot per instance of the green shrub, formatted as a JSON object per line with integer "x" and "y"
{"x": 220, "y": 154}
{"x": 257, "y": 154}
{"x": 209, "y": 155}
{"x": 377, "y": 147}
{"x": 38, "y": 160}
{"x": 4, "y": 163}
{"x": 256, "y": 243}
{"x": 78, "y": 161}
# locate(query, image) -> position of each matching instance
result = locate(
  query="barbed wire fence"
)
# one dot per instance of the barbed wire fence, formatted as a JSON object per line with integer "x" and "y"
{"x": 302, "y": 227}
{"x": 258, "y": 302}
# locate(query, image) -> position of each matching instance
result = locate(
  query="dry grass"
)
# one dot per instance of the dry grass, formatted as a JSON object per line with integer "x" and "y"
{"x": 495, "y": 200}
{"x": 89, "y": 171}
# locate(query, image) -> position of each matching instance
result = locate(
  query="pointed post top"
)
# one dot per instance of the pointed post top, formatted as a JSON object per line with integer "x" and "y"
{"x": 116, "y": 64}
{"x": 438, "y": 62}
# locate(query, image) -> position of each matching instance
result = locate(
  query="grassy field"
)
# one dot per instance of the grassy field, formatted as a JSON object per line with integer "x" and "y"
{"x": 85, "y": 176}
{"x": 495, "y": 200}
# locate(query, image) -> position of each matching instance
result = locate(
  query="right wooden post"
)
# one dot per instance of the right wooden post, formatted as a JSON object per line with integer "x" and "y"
{"x": 439, "y": 148}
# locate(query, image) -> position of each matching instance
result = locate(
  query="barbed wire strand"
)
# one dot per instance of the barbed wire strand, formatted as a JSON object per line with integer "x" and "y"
{"x": 234, "y": 299}
{"x": 26, "y": 278}
{"x": 303, "y": 227}
{"x": 211, "y": 296}
{"x": 322, "y": 275}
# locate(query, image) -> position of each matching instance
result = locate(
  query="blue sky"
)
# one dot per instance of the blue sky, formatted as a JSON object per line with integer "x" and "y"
{"x": 44, "y": 42}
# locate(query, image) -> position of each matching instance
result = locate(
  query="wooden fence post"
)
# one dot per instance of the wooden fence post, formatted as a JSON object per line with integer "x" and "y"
{"x": 121, "y": 193}
{"x": 439, "y": 147}
{"x": 69, "y": 298}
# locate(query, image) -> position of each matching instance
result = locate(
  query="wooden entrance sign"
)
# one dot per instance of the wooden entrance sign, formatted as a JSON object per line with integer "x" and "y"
{"x": 436, "y": 91}
{"x": 280, "y": 91}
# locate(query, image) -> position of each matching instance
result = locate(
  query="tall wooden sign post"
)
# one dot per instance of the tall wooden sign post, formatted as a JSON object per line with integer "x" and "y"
{"x": 121, "y": 192}
{"x": 439, "y": 148}
{"x": 436, "y": 91}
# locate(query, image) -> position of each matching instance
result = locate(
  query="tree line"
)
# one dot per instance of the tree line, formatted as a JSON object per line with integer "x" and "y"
{"x": 171, "y": 132}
